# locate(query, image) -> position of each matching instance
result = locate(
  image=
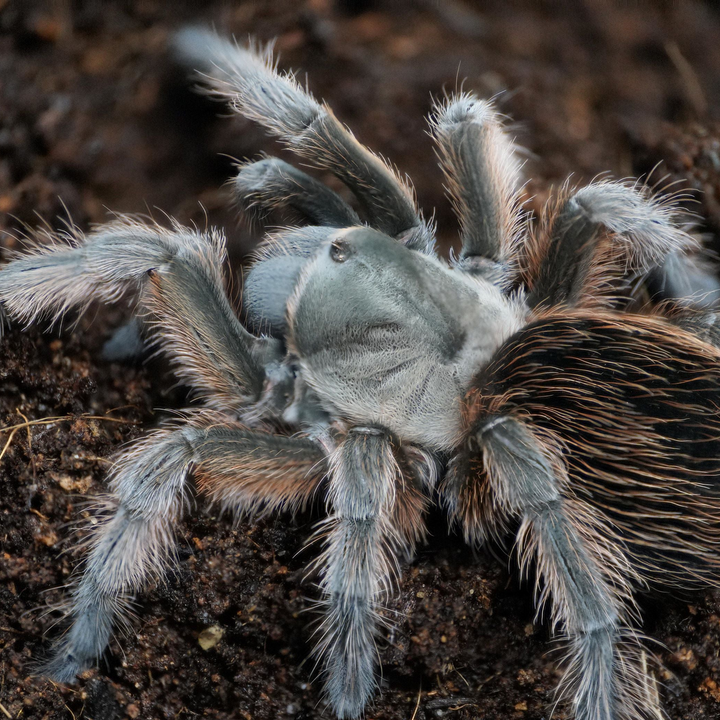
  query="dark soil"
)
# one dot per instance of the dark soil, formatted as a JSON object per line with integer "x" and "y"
{"x": 96, "y": 117}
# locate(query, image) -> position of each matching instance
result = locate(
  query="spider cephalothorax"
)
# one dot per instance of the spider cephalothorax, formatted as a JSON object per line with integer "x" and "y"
{"x": 503, "y": 385}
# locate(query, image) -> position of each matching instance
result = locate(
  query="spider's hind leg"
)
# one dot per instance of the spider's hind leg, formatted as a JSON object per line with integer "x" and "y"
{"x": 584, "y": 575}
{"x": 244, "y": 470}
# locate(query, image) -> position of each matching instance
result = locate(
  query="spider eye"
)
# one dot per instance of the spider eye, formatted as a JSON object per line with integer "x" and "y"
{"x": 340, "y": 250}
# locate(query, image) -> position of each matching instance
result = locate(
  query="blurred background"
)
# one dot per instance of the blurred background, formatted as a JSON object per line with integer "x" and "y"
{"x": 96, "y": 118}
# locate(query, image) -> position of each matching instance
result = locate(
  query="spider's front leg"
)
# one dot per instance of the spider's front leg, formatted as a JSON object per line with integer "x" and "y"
{"x": 248, "y": 79}
{"x": 245, "y": 471}
{"x": 270, "y": 183}
{"x": 177, "y": 275}
{"x": 482, "y": 171}
{"x": 584, "y": 574}
{"x": 375, "y": 512}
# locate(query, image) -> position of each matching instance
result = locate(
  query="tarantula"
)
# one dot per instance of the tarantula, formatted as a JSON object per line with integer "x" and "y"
{"x": 503, "y": 384}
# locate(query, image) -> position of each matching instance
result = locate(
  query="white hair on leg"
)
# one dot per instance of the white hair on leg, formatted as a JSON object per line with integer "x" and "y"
{"x": 482, "y": 171}
{"x": 248, "y": 79}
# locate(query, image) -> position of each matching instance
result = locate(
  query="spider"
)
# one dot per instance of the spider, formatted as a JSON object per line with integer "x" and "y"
{"x": 503, "y": 385}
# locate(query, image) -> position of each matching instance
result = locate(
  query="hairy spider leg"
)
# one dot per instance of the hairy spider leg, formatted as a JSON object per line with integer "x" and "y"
{"x": 587, "y": 583}
{"x": 372, "y": 513}
{"x": 271, "y": 183}
{"x": 563, "y": 255}
{"x": 177, "y": 275}
{"x": 249, "y": 80}
{"x": 482, "y": 173}
{"x": 248, "y": 472}
{"x": 690, "y": 279}
{"x": 198, "y": 329}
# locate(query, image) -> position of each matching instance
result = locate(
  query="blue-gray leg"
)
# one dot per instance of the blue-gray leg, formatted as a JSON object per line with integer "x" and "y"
{"x": 356, "y": 568}
{"x": 177, "y": 276}
{"x": 566, "y": 253}
{"x": 247, "y": 472}
{"x": 248, "y": 79}
{"x": 483, "y": 177}
{"x": 271, "y": 183}
{"x": 583, "y": 573}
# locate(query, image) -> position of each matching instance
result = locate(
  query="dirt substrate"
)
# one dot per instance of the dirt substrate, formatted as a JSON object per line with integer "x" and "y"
{"x": 95, "y": 116}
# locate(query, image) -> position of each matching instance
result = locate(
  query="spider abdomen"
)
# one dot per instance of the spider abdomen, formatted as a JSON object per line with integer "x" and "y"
{"x": 633, "y": 403}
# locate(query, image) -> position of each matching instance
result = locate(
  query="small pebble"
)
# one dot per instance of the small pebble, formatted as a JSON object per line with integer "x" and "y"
{"x": 210, "y": 637}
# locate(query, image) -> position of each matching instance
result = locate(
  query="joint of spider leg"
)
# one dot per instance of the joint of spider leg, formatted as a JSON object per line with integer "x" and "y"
{"x": 491, "y": 270}
{"x": 544, "y": 508}
{"x": 492, "y": 423}
{"x": 369, "y": 430}
{"x": 474, "y": 439}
